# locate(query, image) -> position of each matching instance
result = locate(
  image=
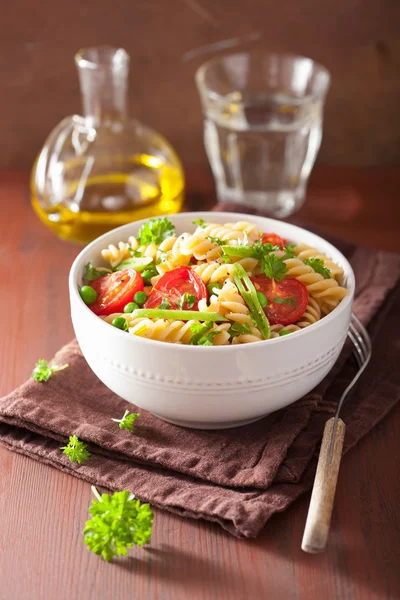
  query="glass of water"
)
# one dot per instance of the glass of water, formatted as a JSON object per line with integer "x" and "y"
{"x": 262, "y": 127}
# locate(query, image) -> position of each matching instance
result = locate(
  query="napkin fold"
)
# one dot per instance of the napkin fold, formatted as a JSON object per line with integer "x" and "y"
{"x": 236, "y": 477}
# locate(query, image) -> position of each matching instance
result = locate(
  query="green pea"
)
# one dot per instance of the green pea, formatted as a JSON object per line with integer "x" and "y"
{"x": 262, "y": 299}
{"x": 140, "y": 298}
{"x": 284, "y": 332}
{"x": 147, "y": 274}
{"x": 213, "y": 286}
{"x": 88, "y": 294}
{"x": 130, "y": 307}
{"x": 120, "y": 323}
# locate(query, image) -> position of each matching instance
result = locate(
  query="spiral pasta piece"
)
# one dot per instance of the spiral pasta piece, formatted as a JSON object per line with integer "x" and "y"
{"x": 303, "y": 251}
{"x": 311, "y": 315}
{"x": 276, "y": 329}
{"x": 115, "y": 254}
{"x": 327, "y": 291}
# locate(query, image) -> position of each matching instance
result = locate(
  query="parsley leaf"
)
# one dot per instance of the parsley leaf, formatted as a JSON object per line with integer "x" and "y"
{"x": 165, "y": 304}
{"x": 43, "y": 371}
{"x": 118, "y": 521}
{"x": 91, "y": 274}
{"x": 127, "y": 420}
{"x": 318, "y": 265}
{"x": 76, "y": 450}
{"x": 187, "y": 299}
{"x": 202, "y": 336}
{"x": 196, "y": 327}
{"x": 279, "y": 300}
{"x": 288, "y": 250}
{"x": 239, "y": 329}
{"x": 199, "y": 223}
{"x": 156, "y": 231}
{"x": 215, "y": 240}
{"x": 273, "y": 267}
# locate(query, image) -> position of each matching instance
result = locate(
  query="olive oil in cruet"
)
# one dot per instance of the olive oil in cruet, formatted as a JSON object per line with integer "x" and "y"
{"x": 101, "y": 170}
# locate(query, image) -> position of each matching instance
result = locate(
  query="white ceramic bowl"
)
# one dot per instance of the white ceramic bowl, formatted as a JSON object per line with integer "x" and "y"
{"x": 210, "y": 387}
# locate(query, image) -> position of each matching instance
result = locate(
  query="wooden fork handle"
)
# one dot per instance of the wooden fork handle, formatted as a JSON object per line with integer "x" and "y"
{"x": 320, "y": 510}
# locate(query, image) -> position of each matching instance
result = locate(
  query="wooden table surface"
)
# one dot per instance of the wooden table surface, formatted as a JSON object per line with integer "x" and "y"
{"x": 43, "y": 511}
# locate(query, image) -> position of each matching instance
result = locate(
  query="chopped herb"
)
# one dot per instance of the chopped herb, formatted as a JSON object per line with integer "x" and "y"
{"x": 239, "y": 329}
{"x": 127, "y": 420}
{"x": 196, "y": 327}
{"x": 273, "y": 267}
{"x": 215, "y": 240}
{"x": 43, "y": 371}
{"x": 318, "y": 265}
{"x": 202, "y": 336}
{"x": 165, "y": 304}
{"x": 279, "y": 300}
{"x": 118, "y": 521}
{"x": 199, "y": 223}
{"x": 288, "y": 250}
{"x": 91, "y": 274}
{"x": 156, "y": 231}
{"x": 76, "y": 450}
{"x": 187, "y": 299}
{"x": 284, "y": 332}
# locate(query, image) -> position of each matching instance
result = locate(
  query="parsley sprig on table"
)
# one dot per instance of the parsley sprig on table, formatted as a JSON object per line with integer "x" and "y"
{"x": 127, "y": 420}
{"x": 318, "y": 265}
{"x": 43, "y": 371}
{"x": 76, "y": 450}
{"x": 118, "y": 521}
{"x": 156, "y": 231}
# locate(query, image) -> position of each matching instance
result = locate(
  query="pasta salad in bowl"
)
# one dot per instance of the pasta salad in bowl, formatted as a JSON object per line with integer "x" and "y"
{"x": 211, "y": 319}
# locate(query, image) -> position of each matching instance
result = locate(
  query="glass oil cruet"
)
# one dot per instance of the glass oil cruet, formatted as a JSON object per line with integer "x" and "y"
{"x": 101, "y": 170}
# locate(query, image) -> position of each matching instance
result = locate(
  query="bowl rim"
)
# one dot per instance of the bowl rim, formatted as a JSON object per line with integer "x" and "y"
{"x": 74, "y": 276}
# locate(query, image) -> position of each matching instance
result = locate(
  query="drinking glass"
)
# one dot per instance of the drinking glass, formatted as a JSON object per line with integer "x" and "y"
{"x": 262, "y": 127}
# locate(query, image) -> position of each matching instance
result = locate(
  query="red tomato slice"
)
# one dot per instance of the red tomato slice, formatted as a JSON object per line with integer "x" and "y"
{"x": 274, "y": 239}
{"x": 116, "y": 290}
{"x": 287, "y": 299}
{"x": 173, "y": 285}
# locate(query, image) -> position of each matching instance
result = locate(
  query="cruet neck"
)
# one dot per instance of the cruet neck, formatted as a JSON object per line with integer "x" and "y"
{"x": 103, "y": 76}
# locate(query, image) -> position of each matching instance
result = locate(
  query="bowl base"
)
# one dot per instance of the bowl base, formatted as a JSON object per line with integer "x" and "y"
{"x": 206, "y": 425}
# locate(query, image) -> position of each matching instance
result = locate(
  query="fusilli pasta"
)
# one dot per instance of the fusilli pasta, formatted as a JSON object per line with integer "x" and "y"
{"x": 225, "y": 316}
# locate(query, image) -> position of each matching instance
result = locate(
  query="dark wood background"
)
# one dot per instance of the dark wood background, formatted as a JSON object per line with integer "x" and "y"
{"x": 355, "y": 39}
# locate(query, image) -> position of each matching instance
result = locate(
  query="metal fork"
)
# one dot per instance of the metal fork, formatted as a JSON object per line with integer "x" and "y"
{"x": 320, "y": 510}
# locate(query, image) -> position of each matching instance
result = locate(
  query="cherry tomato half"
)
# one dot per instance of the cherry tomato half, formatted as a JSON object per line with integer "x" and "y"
{"x": 115, "y": 290}
{"x": 174, "y": 285}
{"x": 286, "y": 300}
{"x": 274, "y": 239}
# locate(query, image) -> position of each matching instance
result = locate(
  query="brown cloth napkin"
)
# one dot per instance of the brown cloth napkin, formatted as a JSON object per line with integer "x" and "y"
{"x": 236, "y": 477}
